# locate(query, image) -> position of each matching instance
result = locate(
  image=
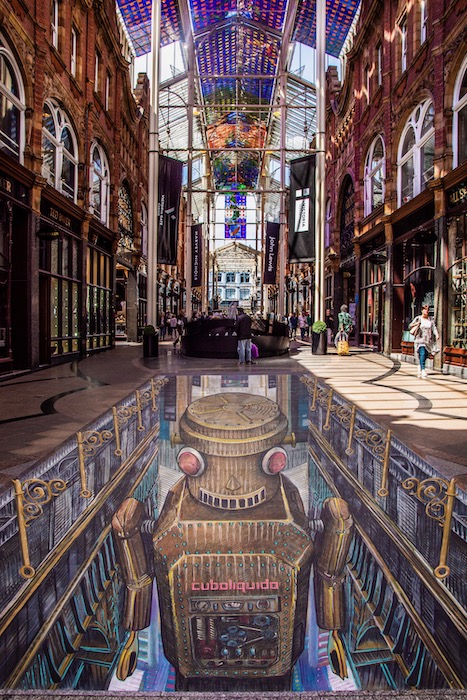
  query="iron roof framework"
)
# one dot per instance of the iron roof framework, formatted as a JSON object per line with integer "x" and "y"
{"x": 240, "y": 48}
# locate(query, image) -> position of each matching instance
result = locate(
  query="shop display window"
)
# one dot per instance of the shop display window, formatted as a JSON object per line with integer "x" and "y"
{"x": 59, "y": 264}
{"x": 372, "y": 296}
{"x": 458, "y": 275}
{"x": 99, "y": 299}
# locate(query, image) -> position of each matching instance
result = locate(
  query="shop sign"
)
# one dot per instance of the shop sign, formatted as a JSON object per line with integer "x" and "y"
{"x": 48, "y": 233}
{"x": 60, "y": 217}
{"x": 457, "y": 195}
{"x": 196, "y": 255}
{"x": 12, "y": 187}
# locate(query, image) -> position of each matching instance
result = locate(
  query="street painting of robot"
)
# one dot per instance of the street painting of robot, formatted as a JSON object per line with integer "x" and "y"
{"x": 232, "y": 554}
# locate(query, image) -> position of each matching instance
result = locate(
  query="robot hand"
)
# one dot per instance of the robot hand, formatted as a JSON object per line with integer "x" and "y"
{"x": 333, "y": 542}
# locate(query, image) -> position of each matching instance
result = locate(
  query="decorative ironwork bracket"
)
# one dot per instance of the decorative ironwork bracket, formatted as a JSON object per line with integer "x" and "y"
{"x": 437, "y": 494}
{"x": 87, "y": 444}
{"x": 30, "y": 498}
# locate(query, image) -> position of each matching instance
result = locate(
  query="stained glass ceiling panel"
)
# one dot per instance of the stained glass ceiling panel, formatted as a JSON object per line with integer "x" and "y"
{"x": 208, "y": 12}
{"x": 339, "y": 17}
{"x": 238, "y": 49}
{"x": 270, "y": 13}
{"x": 137, "y": 17}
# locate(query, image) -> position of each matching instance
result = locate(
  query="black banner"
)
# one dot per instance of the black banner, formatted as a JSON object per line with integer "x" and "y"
{"x": 302, "y": 210}
{"x": 196, "y": 256}
{"x": 170, "y": 186}
{"x": 270, "y": 253}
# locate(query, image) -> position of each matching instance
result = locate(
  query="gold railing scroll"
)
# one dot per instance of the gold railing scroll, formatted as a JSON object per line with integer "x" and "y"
{"x": 437, "y": 494}
{"x": 30, "y": 497}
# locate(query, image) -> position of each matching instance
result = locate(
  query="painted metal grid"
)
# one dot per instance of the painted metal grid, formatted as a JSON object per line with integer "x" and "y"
{"x": 137, "y": 17}
{"x": 205, "y": 13}
{"x": 339, "y": 17}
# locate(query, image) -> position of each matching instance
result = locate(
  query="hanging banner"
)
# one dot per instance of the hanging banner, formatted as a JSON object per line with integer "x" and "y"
{"x": 302, "y": 210}
{"x": 270, "y": 253}
{"x": 196, "y": 255}
{"x": 170, "y": 187}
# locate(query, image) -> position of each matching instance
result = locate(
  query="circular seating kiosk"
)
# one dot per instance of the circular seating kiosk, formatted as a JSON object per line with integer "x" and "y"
{"x": 214, "y": 337}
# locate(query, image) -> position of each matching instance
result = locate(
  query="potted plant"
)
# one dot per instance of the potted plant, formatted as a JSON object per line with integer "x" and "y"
{"x": 150, "y": 341}
{"x": 319, "y": 341}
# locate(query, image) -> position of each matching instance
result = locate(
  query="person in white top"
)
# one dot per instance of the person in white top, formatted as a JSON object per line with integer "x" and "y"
{"x": 425, "y": 335}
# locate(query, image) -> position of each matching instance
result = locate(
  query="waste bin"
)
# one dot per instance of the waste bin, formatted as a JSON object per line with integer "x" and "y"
{"x": 151, "y": 345}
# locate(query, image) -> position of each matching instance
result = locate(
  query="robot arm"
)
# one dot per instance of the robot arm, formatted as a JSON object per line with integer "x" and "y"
{"x": 333, "y": 546}
{"x": 131, "y": 556}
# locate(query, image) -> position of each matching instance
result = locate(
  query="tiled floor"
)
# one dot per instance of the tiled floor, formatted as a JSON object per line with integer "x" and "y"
{"x": 40, "y": 410}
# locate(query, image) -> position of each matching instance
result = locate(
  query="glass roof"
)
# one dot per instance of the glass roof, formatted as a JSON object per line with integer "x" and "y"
{"x": 239, "y": 46}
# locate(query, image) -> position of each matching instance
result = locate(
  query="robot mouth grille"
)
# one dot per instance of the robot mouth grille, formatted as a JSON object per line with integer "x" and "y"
{"x": 229, "y": 503}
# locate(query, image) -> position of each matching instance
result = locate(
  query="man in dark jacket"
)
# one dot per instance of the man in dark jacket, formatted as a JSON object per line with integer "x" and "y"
{"x": 243, "y": 331}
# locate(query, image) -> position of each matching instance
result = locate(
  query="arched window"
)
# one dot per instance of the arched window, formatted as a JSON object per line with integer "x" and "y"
{"x": 12, "y": 107}
{"x": 100, "y": 184}
{"x": 374, "y": 176}
{"x": 460, "y": 116}
{"x": 416, "y": 153}
{"x": 59, "y": 150}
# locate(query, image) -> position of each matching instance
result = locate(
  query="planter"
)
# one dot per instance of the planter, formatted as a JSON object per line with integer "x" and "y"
{"x": 151, "y": 345}
{"x": 455, "y": 356}
{"x": 319, "y": 343}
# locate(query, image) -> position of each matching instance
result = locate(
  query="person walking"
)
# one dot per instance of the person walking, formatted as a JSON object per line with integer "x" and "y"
{"x": 173, "y": 325}
{"x": 162, "y": 326}
{"x": 425, "y": 335}
{"x": 243, "y": 331}
{"x": 302, "y": 324}
{"x": 329, "y": 326}
{"x": 293, "y": 322}
{"x": 344, "y": 320}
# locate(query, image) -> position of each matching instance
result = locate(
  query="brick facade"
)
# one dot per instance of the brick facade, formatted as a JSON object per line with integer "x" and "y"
{"x": 56, "y": 62}
{"x": 376, "y": 98}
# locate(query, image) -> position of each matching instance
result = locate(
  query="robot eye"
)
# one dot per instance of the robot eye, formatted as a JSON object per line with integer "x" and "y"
{"x": 190, "y": 461}
{"x": 274, "y": 460}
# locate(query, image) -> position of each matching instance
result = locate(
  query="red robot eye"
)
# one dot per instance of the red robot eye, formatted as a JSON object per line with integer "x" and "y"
{"x": 274, "y": 460}
{"x": 190, "y": 462}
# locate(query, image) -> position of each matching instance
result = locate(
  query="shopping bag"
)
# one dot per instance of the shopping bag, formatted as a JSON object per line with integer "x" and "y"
{"x": 254, "y": 352}
{"x": 343, "y": 347}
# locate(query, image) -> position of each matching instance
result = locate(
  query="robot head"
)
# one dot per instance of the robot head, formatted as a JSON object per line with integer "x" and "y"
{"x": 232, "y": 458}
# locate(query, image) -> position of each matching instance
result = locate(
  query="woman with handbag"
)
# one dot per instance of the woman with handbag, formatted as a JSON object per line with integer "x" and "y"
{"x": 425, "y": 335}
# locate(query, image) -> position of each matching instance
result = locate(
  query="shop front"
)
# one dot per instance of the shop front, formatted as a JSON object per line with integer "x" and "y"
{"x": 14, "y": 275}
{"x": 416, "y": 253}
{"x": 372, "y": 293}
{"x": 455, "y": 351}
{"x": 99, "y": 286}
{"x": 60, "y": 284}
